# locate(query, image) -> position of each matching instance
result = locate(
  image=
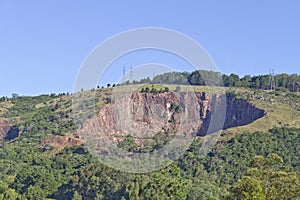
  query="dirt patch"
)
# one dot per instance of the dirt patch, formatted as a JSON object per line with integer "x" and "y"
{"x": 58, "y": 141}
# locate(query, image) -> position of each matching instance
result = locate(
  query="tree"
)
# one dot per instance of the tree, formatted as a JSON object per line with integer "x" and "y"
{"x": 255, "y": 82}
{"x": 96, "y": 181}
{"x": 196, "y": 78}
{"x": 266, "y": 180}
{"x": 165, "y": 184}
{"x": 7, "y": 193}
{"x": 177, "y": 89}
{"x": 153, "y": 90}
{"x": 34, "y": 192}
{"x": 247, "y": 188}
{"x": 227, "y": 81}
{"x": 77, "y": 196}
{"x": 145, "y": 80}
{"x": 14, "y": 95}
{"x": 245, "y": 81}
{"x": 235, "y": 80}
{"x": 147, "y": 89}
{"x": 128, "y": 144}
{"x": 264, "y": 82}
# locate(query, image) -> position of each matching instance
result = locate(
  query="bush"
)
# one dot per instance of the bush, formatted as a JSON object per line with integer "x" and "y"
{"x": 177, "y": 89}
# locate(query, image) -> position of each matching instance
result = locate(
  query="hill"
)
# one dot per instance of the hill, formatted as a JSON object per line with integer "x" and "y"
{"x": 42, "y": 156}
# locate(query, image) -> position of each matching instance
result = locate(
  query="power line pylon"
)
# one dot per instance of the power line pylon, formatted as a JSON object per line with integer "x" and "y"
{"x": 272, "y": 80}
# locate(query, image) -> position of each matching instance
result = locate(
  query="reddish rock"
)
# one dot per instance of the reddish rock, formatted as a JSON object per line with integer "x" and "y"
{"x": 57, "y": 141}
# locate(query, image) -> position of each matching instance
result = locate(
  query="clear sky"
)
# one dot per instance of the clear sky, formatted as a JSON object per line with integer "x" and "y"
{"x": 43, "y": 43}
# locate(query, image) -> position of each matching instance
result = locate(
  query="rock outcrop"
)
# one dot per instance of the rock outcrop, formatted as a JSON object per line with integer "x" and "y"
{"x": 57, "y": 141}
{"x": 142, "y": 115}
{"x": 4, "y": 128}
{"x": 240, "y": 112}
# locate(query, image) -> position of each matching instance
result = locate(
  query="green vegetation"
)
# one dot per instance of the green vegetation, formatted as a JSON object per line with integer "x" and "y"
{"x": 282, "y": 109}
{"x": 155, "y": 90}
{"x": 30, "y": 172}
{"x": 257, "y": 161}
{"x": 267, "y": 179}
{"x": 128, "y": 144}
{"x": 282, "y": 82}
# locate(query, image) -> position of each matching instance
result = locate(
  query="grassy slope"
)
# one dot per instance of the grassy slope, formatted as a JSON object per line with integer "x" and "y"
{"x": 283, "y": 109}
{"x": 4, "y": 106}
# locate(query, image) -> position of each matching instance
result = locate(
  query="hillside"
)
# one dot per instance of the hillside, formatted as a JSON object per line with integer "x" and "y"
{"x": 42, "y": 155}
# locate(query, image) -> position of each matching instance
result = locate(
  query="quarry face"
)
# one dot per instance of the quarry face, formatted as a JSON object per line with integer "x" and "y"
{"x": 142, "y": 115}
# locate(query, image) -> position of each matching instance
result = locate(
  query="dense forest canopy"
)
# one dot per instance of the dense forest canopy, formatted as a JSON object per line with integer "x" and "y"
{"x": 230, "y": 171}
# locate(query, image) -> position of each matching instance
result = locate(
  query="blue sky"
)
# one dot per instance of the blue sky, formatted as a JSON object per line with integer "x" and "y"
{"x": 43, "y": 43}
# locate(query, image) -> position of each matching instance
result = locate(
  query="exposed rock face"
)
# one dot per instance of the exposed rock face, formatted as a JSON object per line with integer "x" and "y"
{"x": 57, "y": 141}
{"x": 240, "y": 112}
{"x": 8, "y": 132}
{"x": 4, "y": 128}
{"x": 142, "y": 115}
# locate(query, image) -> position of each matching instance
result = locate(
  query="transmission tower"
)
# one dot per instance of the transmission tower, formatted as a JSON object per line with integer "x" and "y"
{"x": 272, "y": 80}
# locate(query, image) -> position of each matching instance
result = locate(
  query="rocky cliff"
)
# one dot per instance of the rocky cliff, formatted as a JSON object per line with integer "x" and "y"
{"x": 142, "y": 115}
{"x": 4, "y": 128}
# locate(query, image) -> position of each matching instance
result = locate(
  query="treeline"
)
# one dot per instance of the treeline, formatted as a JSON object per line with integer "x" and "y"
{"x": 283, "y": 82}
